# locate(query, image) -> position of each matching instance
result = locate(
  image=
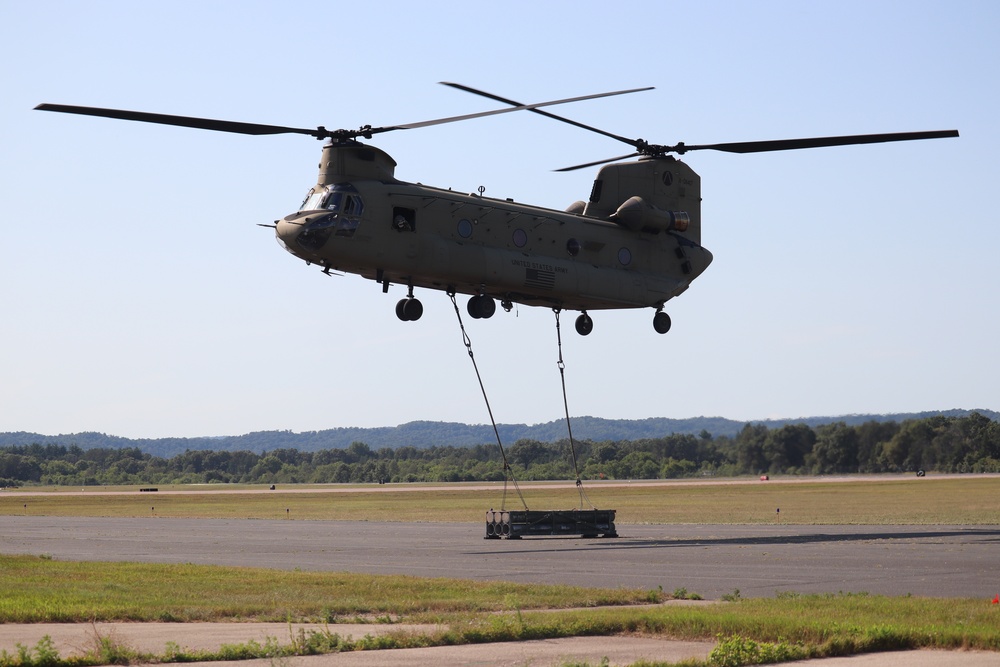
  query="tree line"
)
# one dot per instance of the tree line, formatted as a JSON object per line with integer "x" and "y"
{"x": 943, "y": 444}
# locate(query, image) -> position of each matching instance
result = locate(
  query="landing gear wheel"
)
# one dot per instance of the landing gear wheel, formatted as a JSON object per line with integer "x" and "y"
{"x": 473, "y": 308}
{"x": 482, "y": 306}
{"x": 584, "y": 325}
{"x": 413, "y": 309}
{"x": 409, "y": 309}
{"x": 661, "y": 322}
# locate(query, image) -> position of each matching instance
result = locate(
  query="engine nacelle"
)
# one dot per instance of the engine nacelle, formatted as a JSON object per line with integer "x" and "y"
{"x": 636, "y": 215}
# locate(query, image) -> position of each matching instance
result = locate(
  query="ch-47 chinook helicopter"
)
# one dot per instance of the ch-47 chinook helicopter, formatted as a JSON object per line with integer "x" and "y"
{"x": 636, "y": 243}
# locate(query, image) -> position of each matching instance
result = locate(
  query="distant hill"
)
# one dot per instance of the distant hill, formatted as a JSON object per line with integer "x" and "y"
{"x": 428, "y": 434}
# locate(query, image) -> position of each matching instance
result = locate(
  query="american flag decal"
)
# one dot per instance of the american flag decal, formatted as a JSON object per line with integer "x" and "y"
{"x": 539, "y": 278}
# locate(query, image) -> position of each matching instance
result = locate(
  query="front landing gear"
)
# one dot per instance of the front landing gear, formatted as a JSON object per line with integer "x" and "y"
{"x": 584, "y": 324}
{"x": 409, "y": 309}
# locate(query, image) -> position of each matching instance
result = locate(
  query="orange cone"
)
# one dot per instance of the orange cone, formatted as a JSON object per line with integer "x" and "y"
{"x": 996, "y": 599}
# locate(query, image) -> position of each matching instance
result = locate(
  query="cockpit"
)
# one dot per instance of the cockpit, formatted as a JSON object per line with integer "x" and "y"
{"x": 341, "y": 197}
{"x": 344, "y": 208}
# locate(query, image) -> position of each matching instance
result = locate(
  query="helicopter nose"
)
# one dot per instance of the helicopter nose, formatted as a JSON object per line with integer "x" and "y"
{"x": 286, "y": 230}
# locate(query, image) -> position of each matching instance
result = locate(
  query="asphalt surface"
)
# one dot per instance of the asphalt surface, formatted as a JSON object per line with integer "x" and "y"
{"x": 710, "y": 560}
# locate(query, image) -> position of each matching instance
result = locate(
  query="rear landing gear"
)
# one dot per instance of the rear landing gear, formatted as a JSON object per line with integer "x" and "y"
{"x": 584, "y": 324}
{"x": 661, "y": 322}
{"x": 482, "y": 307}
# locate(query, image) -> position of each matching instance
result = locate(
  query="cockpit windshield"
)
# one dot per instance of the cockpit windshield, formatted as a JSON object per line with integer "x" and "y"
{"x": 313, "y": 200}
{"x": 342, "y": 198}
{"x": 344, "y": 208}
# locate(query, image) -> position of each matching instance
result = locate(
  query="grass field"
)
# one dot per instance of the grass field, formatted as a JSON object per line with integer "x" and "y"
{"x": 37, "y": 589}
{"x": 749, "y": 631}
{"x": 967, "y": 500}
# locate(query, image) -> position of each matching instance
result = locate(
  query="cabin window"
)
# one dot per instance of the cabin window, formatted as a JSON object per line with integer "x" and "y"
{"x": 404, "y": 219}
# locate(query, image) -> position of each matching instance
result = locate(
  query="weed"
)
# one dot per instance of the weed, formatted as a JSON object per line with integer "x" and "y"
{"x": 173, "y": 652}
{"x": 735, "y": 651}
{"x": 108, "y": 649}
{"x": 683, "y": 594}
{"x": 44, "y": 654}
{"x": 732, "y": 597}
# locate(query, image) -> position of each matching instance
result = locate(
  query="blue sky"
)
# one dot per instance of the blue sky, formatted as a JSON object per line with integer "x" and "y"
{"x": 140, "y": 298}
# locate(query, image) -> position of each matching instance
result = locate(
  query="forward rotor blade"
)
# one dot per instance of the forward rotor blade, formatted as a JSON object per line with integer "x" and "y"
{"x": 519, "y": 107}
{"x": 184, "y": 121}
{"x": 319, "y": 133}
{"x": 814, "y": 142}
{"x": 474, "y": 91}
{"x": 594, "y": 164}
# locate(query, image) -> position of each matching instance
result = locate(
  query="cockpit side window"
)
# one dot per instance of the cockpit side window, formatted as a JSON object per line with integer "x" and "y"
{"x": 352, "y": 205}
{"x": 350, "y": 215}
{"x": 332, "y": 201}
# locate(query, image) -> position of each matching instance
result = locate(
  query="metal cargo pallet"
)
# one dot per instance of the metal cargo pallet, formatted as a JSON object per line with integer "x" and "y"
{"x": 515, "y": 524}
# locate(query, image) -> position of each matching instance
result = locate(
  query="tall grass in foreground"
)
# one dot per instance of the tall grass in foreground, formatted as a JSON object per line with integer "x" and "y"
{"x": 746, "y": 632}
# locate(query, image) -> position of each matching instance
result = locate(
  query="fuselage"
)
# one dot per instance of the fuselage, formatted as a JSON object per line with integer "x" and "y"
{"x": 373, "y": 225}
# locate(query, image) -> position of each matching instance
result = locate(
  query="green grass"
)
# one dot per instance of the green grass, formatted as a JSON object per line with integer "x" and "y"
{"x": 746, "y": 630}
{"x": 894, "y": 501}
{"x": 38, "y": 589}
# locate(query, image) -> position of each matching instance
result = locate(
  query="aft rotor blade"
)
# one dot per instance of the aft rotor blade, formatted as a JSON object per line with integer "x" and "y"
{"x": 184, "y": 121}
{"x": 474, "y": 91}
{"x": 519, "y": 107}
{"x": 814, "y": 142}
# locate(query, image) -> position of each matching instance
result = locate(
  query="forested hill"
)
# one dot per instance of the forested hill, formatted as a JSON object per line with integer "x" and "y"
{"x": 428, "y": 434}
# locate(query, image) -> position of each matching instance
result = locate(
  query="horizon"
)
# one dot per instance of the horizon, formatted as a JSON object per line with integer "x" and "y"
{"x": 993, "y": 415}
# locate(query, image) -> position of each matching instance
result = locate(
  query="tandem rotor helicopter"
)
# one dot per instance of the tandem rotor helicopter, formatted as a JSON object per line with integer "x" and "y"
{"x": 635, "y": 243}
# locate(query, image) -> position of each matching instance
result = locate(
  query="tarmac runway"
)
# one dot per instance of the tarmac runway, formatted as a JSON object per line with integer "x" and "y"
{"x": 710, "y": 560}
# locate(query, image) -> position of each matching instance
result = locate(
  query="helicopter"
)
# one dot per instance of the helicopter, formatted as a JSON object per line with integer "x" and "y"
{"x": 635, "y": 243}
